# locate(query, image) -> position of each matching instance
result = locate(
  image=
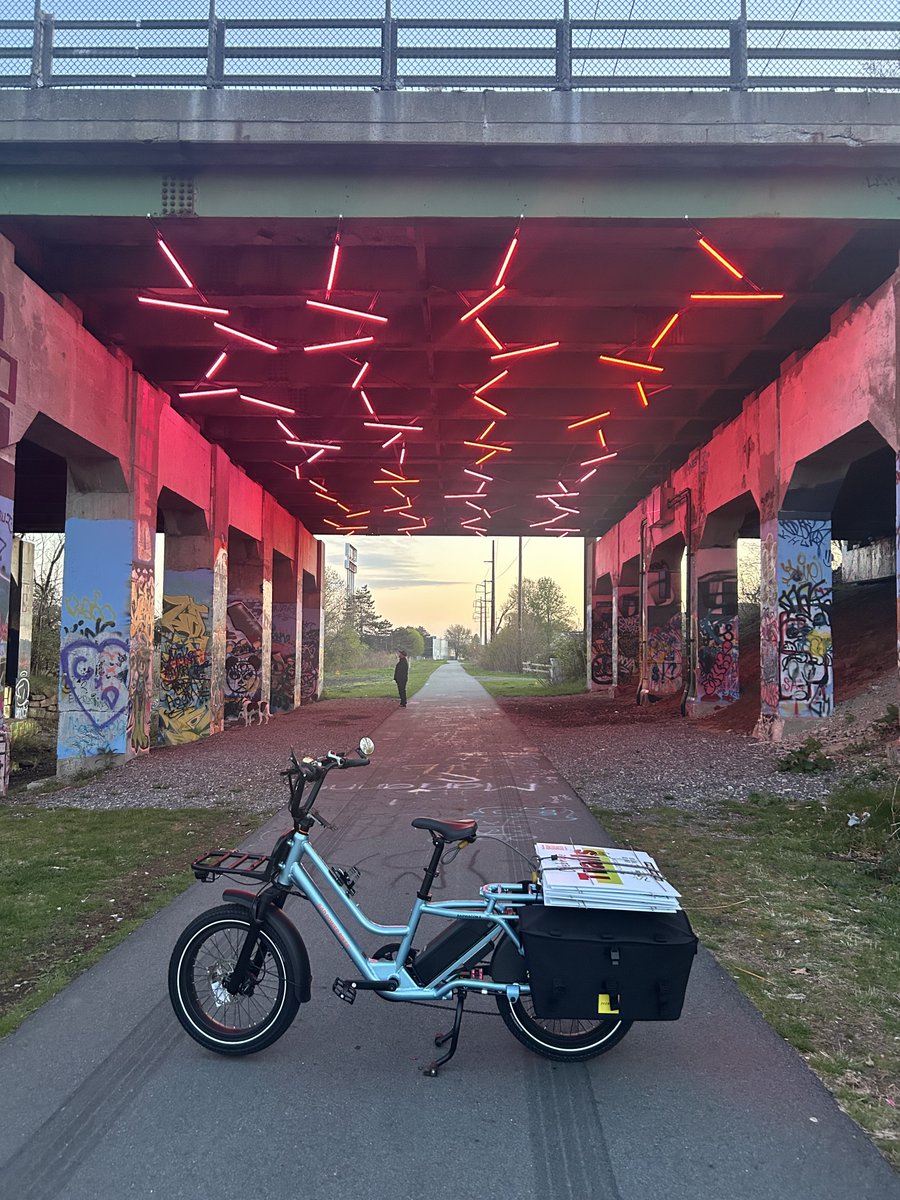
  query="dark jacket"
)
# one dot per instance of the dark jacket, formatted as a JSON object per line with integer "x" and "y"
{"x": 401, "y": 671}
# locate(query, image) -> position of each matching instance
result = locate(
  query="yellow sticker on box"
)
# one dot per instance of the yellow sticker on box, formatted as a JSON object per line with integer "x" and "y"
{"x": 604, "y": 1004}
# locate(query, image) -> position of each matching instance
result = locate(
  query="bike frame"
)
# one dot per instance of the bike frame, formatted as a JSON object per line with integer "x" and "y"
{"x": 294, "y": 873}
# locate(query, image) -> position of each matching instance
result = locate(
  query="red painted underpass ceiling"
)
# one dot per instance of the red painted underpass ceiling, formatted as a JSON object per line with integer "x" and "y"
{"x": 443, "y": 377}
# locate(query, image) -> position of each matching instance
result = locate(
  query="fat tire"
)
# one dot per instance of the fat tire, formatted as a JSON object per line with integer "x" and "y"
{"x": 215, "y": 939}
{"x": 551, "y": 1039}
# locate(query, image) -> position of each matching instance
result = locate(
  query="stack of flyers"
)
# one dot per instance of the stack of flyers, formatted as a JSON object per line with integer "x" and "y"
{"x": 603, "y": 877}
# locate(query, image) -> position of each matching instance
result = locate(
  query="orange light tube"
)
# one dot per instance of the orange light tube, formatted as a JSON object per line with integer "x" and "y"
{"x": 720, "y": 258}
{"x": 490, "y": 383}
{"x": 642, "y": 394}
{"x": 507, "y": 260}
{"x": 588, "y": 420}
{"x": 737, "y": 296}
{"x": 488, "y": 446}
{"x": 589, "y": 462}
{"x": 490, "y": 454}
{"x": 482, "y": 304}
{"x": 363, "y": 512}
{"x": 346, "y": 312}
{"x": 403, "y": 496}
{"x": 217, "y": 365}
{"x": 334, "y": 524}
{"x": 175, "y": 263}
{"x": 627, "y": 362}
{"x": 362, "y": 373}
{"x": 391, "y": 482}
{"x": 487, "y": 429}
{"x": 524, "y": 350}
{"x": 501, "y": 412}
{"x": 400, "y": 507}
{"x": 320, "y": 486}
{"x": 246, "y": 337}
{"x": 203, "y": 309}
{"x": 665, "y": 329}
{"x": 495, "y": 341}
{"x": 292, "y": 412}
{"x": 601, "y": 437}
{"x": 393, "y": 474}
{"x": 207, "y": 392}
{"x": 360, "y": 341}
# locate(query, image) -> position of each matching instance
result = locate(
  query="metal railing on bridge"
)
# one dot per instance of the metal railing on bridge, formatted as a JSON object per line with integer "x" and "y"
{"x": 558, "y": 45}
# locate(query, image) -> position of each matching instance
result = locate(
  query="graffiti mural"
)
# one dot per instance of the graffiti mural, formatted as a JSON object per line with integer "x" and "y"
{"x": 143, "y": 591}
{"x": 805, "y": 657}
{"x": 6, "y": 548}
{"x": 629, "y": 634}
{"x": 311, "y": 656}
{"x": 243, "y": 656}
{"x": 768, "y": 622}
{"x": 184, "y": 659}
{"x": 94, "y": 643}
{"x": 665, "y": 642}
{"x": 284, "y": 656}
{"x": 219, "y": 642}
{"x": 717, "y": 627}
{"x": 602, "y": 674}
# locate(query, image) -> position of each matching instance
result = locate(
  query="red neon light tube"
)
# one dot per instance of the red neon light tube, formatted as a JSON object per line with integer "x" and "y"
{"x": 313, "y": 457}
{"x": 490, "y": 383}
{"x": 217, "y": 365}
{"x": 292, "y": 412}
{"x": 246, "y": 337}
{"x": 478, "y": 475}
{"x": 720, "y": 258}
{"x": 393, "y": 474}
{"x": 463, "y": 496}
{"x": 501, "y": 412}
{"x": 360, "y": 341}
{"x": 665, "y": 329}
{"x": 737, "y": 296}
{"x": 391, "y": 440}
{"x": 387, "y": 425}
{"x": 320, "y": 486}
{"x": 175, "y": 263}
{"x": 346, "y": 312}
{"x": 297, "y": 470}
{"x": 495, "y": 341}
{"x": 507, "y": 260}
{"x": 314, "y": 445}
{"x": 588, "y": 420}
{"x": 584, "y": 478}
{"x": 367, "y": 402}
{"x": 362, "y": 372}
{"x": 589, "y": 462}
{"x": 203, "y": 309}
{"x": 281, "y": 425}
{"x": 482, "y": 304}
{"x": 627, "y": 362}
{"x": 206, "y": 392}
{"x": 335, "y": 255}
{"x": 524, "y": 350}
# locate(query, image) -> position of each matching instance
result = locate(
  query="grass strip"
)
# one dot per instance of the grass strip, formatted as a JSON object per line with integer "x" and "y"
{"x": 502, "y": 683}
{"x": 376, "y": 682}
{"x": 75, "y": 882}
{"x": 802, "y": 908}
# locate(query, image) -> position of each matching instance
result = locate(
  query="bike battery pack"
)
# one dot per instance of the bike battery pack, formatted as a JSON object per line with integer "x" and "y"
{"x": 450, "y": 945}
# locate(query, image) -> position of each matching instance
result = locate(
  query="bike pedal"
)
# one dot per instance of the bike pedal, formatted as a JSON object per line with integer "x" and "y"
{"x": 341, "y": 988}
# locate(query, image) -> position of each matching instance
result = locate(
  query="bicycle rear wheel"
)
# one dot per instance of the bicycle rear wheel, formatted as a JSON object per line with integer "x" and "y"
{"x": 569, "y": 1040}
{"x": 203, "y": 958}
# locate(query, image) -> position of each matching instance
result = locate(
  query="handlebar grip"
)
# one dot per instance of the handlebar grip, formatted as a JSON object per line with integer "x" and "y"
{"x": 356, "y": 762}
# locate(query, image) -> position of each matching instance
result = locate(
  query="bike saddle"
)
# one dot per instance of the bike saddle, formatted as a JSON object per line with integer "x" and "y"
{"x": 450, "y": 831}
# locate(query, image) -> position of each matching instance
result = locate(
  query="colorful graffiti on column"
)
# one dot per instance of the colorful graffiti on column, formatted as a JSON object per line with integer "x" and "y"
{"x": 284, "y": 656}
{"x": 601, "y": 641}
{"x": 665, "y": 643}
{"x": 629, "y": 634}
{"x": 717, "y": 632}
{"x": 141, "y": 665}
{"x": 184, "y": 659}
{"x": 805, "y": 666}
{"x": 6, "y": 548}
{"x": 243, "y": 656}
{"x": 94, "y": 643}
{"x": 219, "y": 644}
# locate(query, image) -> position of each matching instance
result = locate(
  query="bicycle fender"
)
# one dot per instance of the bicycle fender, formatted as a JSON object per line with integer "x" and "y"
{"x": 507, "y": 964}
{"x": 301, "y": 972}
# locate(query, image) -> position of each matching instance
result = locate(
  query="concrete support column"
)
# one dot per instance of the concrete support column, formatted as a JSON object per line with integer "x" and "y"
{"x": 186, "y": 639}
{"x": 287, "y": 625}
{"x": 21, "y": 603}
{"x": 796, "y": 656}
{"x": 266, "y": 627}
{"x": 604, "y": 669}
{"x": 665, "y": 639}
{"x": 244, "y": 629}
{"x": 715, "y": 605}
{"x": 311, "y": 679}
{"x": 7, "y": 490}
{"x": 627, "y": 628}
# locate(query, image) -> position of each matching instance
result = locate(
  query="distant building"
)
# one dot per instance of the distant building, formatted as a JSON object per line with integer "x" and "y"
{"x": 436, "y": 648}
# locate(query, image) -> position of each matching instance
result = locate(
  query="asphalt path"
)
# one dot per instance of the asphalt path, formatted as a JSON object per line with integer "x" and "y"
{"x": 103, "y": 1094}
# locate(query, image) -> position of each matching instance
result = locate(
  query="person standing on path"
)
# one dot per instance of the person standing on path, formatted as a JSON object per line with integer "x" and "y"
{"x": 401, "y": 674}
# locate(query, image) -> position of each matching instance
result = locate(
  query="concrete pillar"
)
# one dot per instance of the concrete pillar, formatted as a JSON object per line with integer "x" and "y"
{"x": 186, "y": 639}
{"x": 7, "y": 490}
{"x": 244, "y": 628}
{"x": 287, "y": 627}
{"x": 665, "y": 639}
{"x": 603, "y": 637}
{"x": 627, "y": 627}
{"x": 311, "y": 679}
{"x": 796, "y": 656}
{"x": 715, "y": 606}
{"x": 21, "y": 603}
{"x": 265, "y": 694}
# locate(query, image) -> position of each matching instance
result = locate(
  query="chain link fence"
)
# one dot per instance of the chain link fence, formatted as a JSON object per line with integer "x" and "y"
{"x": 430, "y": 44}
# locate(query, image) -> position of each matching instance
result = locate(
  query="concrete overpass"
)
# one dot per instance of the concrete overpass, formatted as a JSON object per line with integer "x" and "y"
{"x": 626, "y": 212}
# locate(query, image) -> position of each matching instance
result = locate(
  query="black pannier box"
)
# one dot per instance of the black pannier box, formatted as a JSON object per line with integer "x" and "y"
{"x": 588, "y": 962}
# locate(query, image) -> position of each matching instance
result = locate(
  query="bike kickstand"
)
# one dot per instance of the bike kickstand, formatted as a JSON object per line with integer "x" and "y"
{"x": 452, "y": 1037}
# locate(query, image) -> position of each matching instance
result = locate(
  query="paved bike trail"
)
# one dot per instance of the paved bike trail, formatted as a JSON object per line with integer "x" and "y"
{"x": 103, "y": 1095}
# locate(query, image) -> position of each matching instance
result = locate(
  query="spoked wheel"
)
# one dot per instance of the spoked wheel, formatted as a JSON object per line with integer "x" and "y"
{"x": 204, "y": 957}
{"x": 568, "y": 1040}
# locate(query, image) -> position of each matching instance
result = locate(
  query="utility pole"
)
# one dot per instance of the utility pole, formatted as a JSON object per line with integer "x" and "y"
{"x": 520, "y": 606}
{"x": 493, "y": 588}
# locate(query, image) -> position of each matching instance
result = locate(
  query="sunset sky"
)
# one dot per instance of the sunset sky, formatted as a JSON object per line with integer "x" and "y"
{"x": 432, "y": 581}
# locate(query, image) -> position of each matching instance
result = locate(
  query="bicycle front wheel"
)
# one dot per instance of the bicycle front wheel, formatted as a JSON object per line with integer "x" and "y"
{"x": 203, "y": 959}
{"x": 567, "y": 1040}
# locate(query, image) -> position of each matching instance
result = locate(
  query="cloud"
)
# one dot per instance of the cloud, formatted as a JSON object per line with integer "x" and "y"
{"x": 391, "y": 583}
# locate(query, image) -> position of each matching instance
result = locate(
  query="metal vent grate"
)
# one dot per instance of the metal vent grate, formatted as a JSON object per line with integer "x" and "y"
{"x": 177, "y": 196}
